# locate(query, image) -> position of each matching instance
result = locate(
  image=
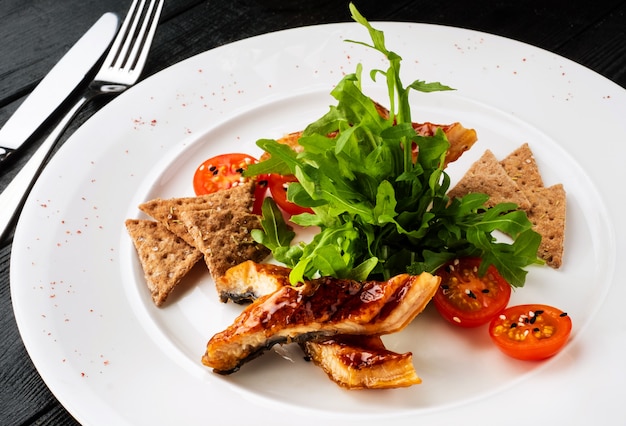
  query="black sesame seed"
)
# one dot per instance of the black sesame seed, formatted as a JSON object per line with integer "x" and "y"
{"x": 513, "y": 324}
{"x": 212, "y": 168}
{"x": 240, "y": 170}
{"x": 533, "y": 319}
{"x": 536, "y": 329}
{"x": 471, "y": 295}
{"x": 539, "y": 312}
{"x": 563, "y": 314}
{"x": 485, "y": 290}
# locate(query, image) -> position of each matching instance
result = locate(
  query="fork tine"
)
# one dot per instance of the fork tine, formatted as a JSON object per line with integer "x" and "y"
{"x": 134, "y": 17}
{"x": 127, "y": 50}
{"x": 145, "y": 35}
{"x": 122, "y": 38}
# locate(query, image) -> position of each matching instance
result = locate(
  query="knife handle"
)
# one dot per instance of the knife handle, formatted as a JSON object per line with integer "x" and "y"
{"x": 14, "y": 195}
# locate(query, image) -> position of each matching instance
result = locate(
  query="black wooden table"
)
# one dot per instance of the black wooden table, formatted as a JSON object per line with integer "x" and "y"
{"x": 35, "y": 34}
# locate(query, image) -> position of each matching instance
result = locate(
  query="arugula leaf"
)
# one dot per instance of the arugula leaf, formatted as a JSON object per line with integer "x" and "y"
{"x": 277, "y": 235}
{"x": 379, "y": 210}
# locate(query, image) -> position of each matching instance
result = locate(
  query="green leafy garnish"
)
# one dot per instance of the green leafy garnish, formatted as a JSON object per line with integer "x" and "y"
{"x": 379, "y": 211}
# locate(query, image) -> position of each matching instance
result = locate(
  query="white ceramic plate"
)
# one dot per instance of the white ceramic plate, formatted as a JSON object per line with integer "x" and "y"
{"x": 111, "y": 357}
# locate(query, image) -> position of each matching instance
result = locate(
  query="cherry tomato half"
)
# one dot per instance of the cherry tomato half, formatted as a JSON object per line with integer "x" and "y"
{"x": 225, "y": 171}
{"x": 277, "y": 185}
{"x": 530, "y": 332}
{"x": 466, "y": 299}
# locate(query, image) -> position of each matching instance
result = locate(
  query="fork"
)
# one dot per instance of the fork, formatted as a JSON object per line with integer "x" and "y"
{"x": 120, "y": 70}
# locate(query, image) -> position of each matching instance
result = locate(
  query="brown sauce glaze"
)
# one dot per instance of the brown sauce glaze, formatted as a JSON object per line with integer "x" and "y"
{"x": 363, "y": 351}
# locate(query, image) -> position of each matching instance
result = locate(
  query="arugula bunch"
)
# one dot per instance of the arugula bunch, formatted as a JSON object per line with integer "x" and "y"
{"x": 379, "y": 212}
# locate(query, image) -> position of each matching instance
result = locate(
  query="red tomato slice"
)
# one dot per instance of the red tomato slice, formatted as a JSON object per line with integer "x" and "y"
{"x": 531, "y": 332}
{"x": 278, "y": 188}
{"x": 225, "y": 171}
{"x": 466, "y": 299}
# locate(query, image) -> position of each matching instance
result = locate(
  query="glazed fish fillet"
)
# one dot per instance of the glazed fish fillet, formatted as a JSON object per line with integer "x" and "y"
{"x": 353, "y": 362}
{"x": 250, "y": 280}
{"x": 461, "y": 139}
{"x": 319, "y": 309}
{"x": 362, "y": 362}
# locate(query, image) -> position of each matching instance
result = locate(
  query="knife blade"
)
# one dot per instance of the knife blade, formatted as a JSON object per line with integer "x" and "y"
{"x": 57, "y": 85}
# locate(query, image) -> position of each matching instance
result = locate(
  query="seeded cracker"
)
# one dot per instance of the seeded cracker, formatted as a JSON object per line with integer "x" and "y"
{"x": 487, "y": 176}
{"x": 547, "y": 213}
{"x": 224, "y": 237}
{"x": 545, "y": 207}
{"x": 168, "y": 211}
{"x": 164, "y": 257}
{"x": 521, "y": 166}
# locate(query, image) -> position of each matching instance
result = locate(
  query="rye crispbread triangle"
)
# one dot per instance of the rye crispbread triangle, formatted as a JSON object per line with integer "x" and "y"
{"x": 521, "y": 166}
{"x": 165, "y": 258}
{"x": 487, "y": 176}
{"x": 545, "y": 207}
{"x": 168, "y": 211}
{"x": 223, "y": 236}
{"x": 547, "y": 214}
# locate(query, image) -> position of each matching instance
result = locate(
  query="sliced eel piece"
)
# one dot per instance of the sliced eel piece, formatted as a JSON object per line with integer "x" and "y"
{"x": 461, "y": 139}
{"x": 353, "y": 362}
{"x": 319, "y": 309}
{"x": 249, "y": 280}
{"x": 362, "y": 362}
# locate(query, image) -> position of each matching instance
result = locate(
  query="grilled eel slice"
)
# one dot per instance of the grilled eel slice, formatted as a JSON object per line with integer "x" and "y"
{"x": 353, "y": 362}
{"x": 319, "y": 309}
{"x": 461, "y": 139}
{"x": 362, "y": 362}
{"x": 249, "y": 280}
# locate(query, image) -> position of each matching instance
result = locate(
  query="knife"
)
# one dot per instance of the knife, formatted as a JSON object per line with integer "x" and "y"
{"x": 57, "y": 85}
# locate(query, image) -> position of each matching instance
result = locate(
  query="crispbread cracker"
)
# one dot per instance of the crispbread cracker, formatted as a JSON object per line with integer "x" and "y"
{"x": 547, "y": 214}
{"x": 487, "y": 176}
{"x": 545, "y": 207}
{"x": 521, "y": 166}
{"x": 164, "y": 257}
{"x": 168, "y": 211}
{"x": 223, "y": 236}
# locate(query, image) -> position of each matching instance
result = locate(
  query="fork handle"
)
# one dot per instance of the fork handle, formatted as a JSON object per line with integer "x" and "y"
{"x": 14, "y": 195}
